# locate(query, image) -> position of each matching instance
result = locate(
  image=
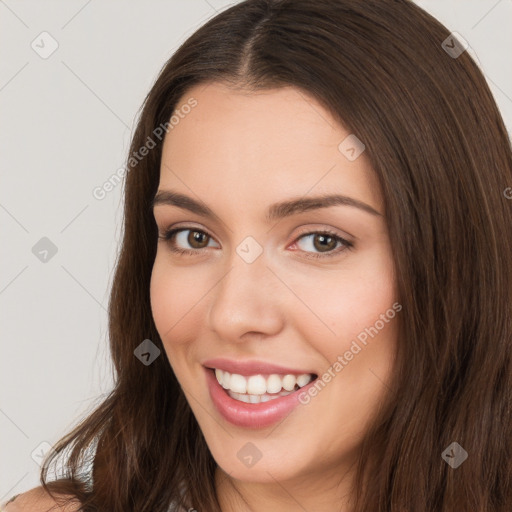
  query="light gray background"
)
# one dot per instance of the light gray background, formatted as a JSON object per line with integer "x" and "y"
{"x": 65, "y": 129}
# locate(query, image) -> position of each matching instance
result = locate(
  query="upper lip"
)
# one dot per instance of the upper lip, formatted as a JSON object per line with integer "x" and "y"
{"x": 251, "y": 367}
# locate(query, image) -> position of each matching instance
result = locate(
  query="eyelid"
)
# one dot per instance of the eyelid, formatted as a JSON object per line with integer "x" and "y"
{"x": 307, "y": 230}
{"x": 180, "y": 227}
{"x": 320, "y": 228}
{"x": 304, "y": 229}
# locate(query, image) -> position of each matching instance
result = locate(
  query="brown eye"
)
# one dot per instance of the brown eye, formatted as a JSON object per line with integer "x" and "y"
{"x": 323, "y": 242}
{"x": 319, "y": 244}
{"x": 181, "y": 242}
{"x": 196, "y": 239}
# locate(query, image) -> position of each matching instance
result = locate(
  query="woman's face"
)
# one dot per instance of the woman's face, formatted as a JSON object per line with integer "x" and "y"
{"x": 264, "y": 294}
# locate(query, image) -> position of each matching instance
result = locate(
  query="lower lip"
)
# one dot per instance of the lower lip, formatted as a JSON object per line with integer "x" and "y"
{"x": 249, "y": 415}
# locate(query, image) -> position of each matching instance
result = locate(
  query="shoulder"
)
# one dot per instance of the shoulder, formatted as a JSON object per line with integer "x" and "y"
{"x": 37, "y": 500}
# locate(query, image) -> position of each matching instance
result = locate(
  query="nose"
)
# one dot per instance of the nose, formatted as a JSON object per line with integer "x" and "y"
{"x": 248, "y": 299}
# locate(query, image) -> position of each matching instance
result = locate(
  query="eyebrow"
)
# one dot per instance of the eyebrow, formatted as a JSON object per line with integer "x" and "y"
{"x": 275, "y": 211}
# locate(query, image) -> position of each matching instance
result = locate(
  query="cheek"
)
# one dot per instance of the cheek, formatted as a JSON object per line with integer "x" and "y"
{"x": 163, "y": 298}
{"x": 173, "y": 296}
{"x": 352, "y": 310}
{"x": 178, "y": 296}
{"x": 345, "y": 303}
{"x": 175, "y": 293}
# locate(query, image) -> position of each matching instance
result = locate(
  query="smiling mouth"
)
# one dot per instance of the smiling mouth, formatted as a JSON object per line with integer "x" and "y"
{"x": 260, "y": 388}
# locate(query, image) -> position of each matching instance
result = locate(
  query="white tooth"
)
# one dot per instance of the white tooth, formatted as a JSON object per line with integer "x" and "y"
{"x": 303, "y": 379}
{"x": 289, "y": 382}
{"x": 256, "y": 385}
{"x": 273, "y": 397}
{"x": 236, "y": 396}
{"x": 238, "y": 383}
{"x": 226, "y": 377}
{"x": 244, "y": 398}
{"x": 274, "y": 383}
{"x": 255, "y": 399}
{"x": 265, "y": 398}
{"x": 218, "y": 374}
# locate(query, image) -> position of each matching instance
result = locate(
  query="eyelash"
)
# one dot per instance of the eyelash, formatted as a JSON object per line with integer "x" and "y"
{"x": 168, "y": 236}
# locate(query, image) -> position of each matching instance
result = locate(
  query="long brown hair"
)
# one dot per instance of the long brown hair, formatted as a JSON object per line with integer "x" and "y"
{"x": 439, "y": 147}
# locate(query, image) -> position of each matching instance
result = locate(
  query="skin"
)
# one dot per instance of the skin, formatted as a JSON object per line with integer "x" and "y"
{"x": 238, "y": 153}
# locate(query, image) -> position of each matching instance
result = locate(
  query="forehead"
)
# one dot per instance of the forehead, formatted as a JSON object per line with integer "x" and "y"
{"x": 262, "y": 145}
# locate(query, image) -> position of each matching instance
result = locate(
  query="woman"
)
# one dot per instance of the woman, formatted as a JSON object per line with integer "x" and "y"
{"x": 311, "y": 307}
